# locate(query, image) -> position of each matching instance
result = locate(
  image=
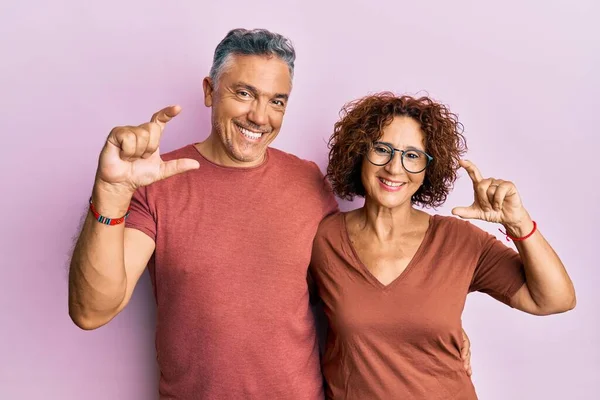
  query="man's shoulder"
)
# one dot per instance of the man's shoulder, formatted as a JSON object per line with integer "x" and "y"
{"x": 305, "y": 173}
{"x": 187, "y": 151}
{"x": 307, "y": 177}
{"x": 291, "y": 160}
{"x": 158, "y": 188}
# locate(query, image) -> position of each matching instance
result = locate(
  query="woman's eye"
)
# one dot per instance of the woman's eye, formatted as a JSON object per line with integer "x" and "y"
{"x": 382, "y": 150}
{"x": 413, "y": 155}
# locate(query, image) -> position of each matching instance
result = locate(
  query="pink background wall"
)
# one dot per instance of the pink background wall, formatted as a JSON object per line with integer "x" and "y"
{"x": 522, "y": 77}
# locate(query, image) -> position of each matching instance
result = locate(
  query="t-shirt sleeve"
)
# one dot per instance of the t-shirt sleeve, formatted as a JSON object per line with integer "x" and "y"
{"x": 330, "y": 204}
{"x": 141, "y": 216}
{"x": 499, "y": 271}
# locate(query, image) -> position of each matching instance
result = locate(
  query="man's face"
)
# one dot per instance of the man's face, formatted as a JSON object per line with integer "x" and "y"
{"x": 248, "y": 104}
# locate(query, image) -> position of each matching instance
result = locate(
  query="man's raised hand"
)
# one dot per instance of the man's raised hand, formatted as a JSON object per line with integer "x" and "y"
{"x": 131, "y": 156}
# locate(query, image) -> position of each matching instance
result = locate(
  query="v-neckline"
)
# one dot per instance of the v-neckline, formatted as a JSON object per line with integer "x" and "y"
{"x": 418, "y": 254}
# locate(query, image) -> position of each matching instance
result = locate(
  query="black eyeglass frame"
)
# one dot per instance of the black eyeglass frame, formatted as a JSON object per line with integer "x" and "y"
{"x": 393, "y": 152}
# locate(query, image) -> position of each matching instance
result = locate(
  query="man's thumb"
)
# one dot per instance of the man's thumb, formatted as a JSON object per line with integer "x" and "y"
{"x": 174, "y": 167}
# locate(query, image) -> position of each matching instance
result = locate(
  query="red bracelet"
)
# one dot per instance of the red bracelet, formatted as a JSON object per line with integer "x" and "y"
{"x": 516, "y": 239}
{"x": 105, "y": 220}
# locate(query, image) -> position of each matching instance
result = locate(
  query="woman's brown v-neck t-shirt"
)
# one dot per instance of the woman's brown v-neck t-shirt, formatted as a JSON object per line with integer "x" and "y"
{"x": 403, "y": 340}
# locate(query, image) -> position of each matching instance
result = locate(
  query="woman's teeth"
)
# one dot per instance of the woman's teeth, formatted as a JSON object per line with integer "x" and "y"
{"x": 390, "y": 183}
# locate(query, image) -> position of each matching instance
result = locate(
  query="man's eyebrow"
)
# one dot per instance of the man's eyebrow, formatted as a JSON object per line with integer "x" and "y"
{"x": 283, "y": 96}
{"x": 250, "y": 88}
{"x": 256, "y": 92}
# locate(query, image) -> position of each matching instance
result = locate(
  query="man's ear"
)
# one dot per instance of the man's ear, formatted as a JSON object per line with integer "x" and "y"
{"x": 207, "y": 84}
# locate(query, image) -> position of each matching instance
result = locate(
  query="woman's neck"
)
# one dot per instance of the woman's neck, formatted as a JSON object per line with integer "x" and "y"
{"x": 387, "y": 223}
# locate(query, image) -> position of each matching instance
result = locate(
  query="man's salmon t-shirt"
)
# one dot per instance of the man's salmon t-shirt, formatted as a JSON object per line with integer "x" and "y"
{"x": 229, "y": 270}
{"x": 403, "y": 340}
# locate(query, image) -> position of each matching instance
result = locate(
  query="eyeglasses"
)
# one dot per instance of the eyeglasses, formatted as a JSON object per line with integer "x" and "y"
{"x": 413, "y": 160}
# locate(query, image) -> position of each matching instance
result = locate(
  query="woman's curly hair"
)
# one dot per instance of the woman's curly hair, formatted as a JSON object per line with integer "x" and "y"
{"x": 362, "y": 123}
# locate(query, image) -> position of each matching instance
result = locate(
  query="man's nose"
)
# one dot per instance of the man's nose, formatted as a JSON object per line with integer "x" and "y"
{"x": 258, "y": 113}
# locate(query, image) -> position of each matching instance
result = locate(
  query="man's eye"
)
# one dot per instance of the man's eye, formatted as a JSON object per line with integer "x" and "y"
{"x": 243, "y": 93}
{"x": 278, "y": 103}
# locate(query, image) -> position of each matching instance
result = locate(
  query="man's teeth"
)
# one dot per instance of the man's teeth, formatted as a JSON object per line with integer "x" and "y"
{"x": 390, "y": 183}
{"x": 250, "y": 134}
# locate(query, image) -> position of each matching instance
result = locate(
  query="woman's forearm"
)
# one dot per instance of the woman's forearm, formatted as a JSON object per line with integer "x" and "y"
{"x": 548, "y": 282}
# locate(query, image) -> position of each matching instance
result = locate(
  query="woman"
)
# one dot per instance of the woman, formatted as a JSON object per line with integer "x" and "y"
{"x": 394, "y": 279}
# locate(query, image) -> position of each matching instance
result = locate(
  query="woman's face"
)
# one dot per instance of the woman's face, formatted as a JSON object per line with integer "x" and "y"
{"x": 391, "y": 185}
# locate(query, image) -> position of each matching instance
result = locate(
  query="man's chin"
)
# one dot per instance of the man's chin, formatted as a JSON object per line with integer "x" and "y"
{"x": 250, "y": 156}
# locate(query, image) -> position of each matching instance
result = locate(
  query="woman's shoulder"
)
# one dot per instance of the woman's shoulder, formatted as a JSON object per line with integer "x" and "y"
{"x": 332, "y": 223}
{"x": 449, "y": 224}
{"x": 451, "y": 220}
{"x": 332, "y": 231}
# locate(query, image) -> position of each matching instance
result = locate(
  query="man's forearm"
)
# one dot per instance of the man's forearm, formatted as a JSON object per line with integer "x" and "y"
{"x": 97, "y": 276}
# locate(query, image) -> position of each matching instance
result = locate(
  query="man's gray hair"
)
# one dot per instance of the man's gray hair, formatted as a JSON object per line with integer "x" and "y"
{"x": 260, "y": 42}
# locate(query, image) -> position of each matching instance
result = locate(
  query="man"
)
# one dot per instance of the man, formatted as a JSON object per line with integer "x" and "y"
{"x": 227, "y": 238}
